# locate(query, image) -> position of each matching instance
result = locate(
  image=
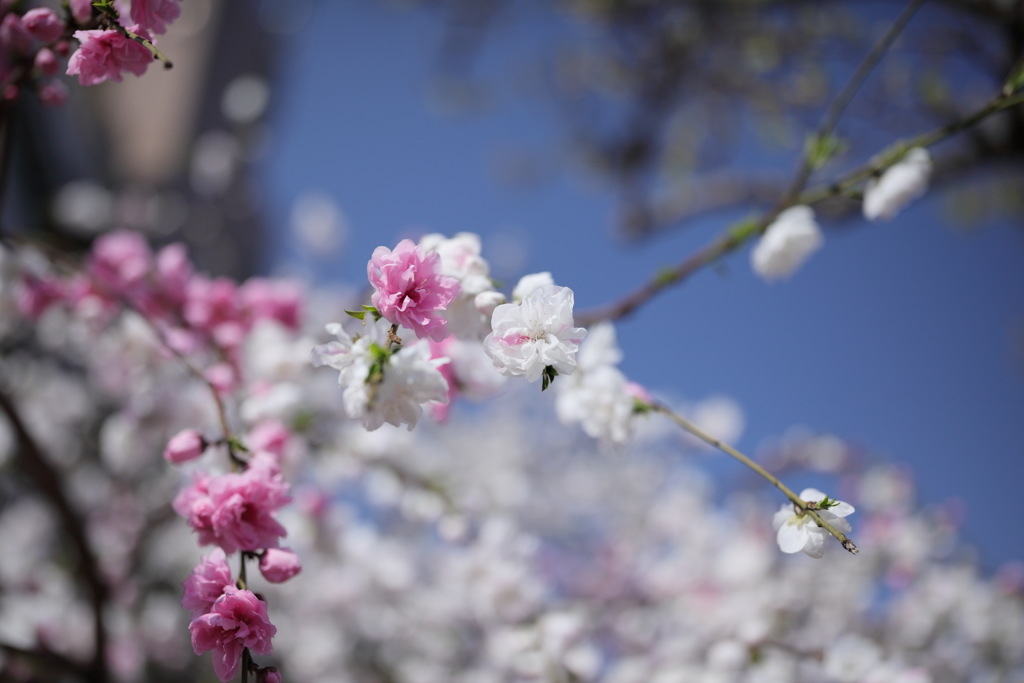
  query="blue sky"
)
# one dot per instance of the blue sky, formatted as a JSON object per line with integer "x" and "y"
{"x": 898, "y": 336}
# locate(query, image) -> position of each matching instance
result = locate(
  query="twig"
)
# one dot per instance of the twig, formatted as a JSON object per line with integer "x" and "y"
{"x": 842, "y": 100}
{"x": 798, "y": 502}
{"x": 743, "y": 231}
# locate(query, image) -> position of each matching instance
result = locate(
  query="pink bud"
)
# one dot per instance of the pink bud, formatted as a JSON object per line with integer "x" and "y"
{"x": 81, "y": 10}
{"x": 270, "y": 436}
{"x": 639, "y": 392}
{"x": 279, "y": 564}
{"x": 268, "y": 674}
{"x": 188, "y": 444}
{"x": 46, "y": 61}
{"x": 14, "y": 35}
{"x": 54, "y": 93}
{"x": 222, "y": 376}
{"x": 44, "y": 24}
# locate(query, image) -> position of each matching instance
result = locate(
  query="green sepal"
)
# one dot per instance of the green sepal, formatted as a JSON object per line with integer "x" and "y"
{"x": 641, "y": 407}
{"x": 548, "y": 377}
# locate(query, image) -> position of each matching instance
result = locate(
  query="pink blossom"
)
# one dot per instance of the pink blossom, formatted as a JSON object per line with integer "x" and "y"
{"x": 210, "y": 303}
{"x": 279, "y": 564}
{"x": 121, "y": 261}
{"x": 105, "y": 55}
{"x": 440, "y": 349}
{"x": 81, "y": 10}
{"x": 188, "y": 444}
{"x": 36, "y": 295}
{"x": 237, "y": 620}
{"x": 279, "y": 300}
{"x": 44, "y": 24}
{"x": 222, "y": 376}
{"x": 235, "y": 511}
{"x": 270, "y": 436}
{"x": 153, "y": 15}
{"x": 173, "y": 272}
{"x": 410, "y": 289}
{"x": 206, "y": 583}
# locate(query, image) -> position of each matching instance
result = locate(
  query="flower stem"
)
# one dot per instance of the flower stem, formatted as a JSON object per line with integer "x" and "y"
{"x": 802, "y": 505}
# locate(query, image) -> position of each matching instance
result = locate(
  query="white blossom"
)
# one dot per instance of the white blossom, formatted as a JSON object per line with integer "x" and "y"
{"x": 597, "y": 394}
{"x": 461, "y": 259}
{"x": 798, "y": 531}
{"x": 902, "y": 183}
{"x": 534, "y": 334}
{"x": 408, "y": 379}
{"x": 528, "y": 283}
{"x": 791, "y": 238}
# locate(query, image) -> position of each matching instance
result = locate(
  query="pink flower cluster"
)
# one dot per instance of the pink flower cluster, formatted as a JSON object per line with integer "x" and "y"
{"x": 227, "y": 619}
{"x": 195, "y": 312}
{"x": 30, "y": 45}
{"x": 410, "y": 289}
{"x": 236, "y": 510}
{"x": 107, "y": 54}
{"x": 236, "y": 620}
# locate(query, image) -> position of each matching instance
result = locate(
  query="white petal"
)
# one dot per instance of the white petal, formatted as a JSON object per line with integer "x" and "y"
{"x": 792, "y": 536}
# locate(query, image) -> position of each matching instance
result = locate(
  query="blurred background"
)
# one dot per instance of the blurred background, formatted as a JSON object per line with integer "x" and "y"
{"x": 604, "y": 140}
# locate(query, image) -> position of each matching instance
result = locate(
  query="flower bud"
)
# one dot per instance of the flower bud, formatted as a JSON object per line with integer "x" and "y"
{"x": 46, "y": 61}
{"x": 188, "y": 444}
{"x": 53, "y": 94}
{"x": 486, "y": 302}
{"x": 279, "y": 564}
{"x": 268, "y": 674}
{"x": 44, "y": 24}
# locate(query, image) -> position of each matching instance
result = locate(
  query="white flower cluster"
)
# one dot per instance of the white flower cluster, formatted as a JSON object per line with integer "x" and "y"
{"x": 381, "y": 385}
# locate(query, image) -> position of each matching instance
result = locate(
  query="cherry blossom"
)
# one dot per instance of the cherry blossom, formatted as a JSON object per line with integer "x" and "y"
{"x": 535, "y": 334}
{"x": 410, "y": 289}
{"x": 235, "y": 510}
{"x": 151, "y": 15}
{"x": 798, "y": 531}
{"x": 206, "y": 583}
{"x": 106, "y": 55}
{"x": 237, "y": 620}
{"x": 790, "y": 239}
{"x": 380, "y": 384}
{"x": 900, "y": 184}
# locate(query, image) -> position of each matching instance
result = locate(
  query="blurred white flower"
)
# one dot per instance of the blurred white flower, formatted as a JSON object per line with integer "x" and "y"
{"x": 900, "y": 184}
{"x": 791, "y": 238}
{"x": 528, "y": 283}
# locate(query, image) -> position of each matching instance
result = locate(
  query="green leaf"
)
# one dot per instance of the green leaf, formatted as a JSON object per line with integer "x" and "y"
{"x": 358, "y": 315}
